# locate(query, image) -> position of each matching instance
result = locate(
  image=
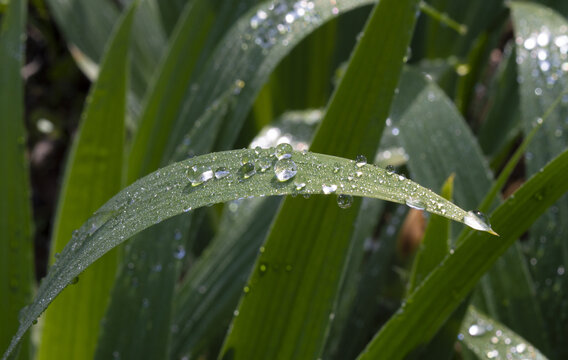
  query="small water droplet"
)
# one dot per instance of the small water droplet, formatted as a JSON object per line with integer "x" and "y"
{"x": 283, "y": 151}
{"x": 74, "y": 280}
{"x": 344, "y": 201}
{"x": 476, "y": 330}
{"x": 263, "y": 164}
{"x": 299, "y": 184}
{"x": 247, "y": 170}
{"x": 198, "y": 174}
{"x": 390, "y": 169}
{"x": 262, "y": 268}
{"x": 221, "y": 172}
{"x": 360, "y": 161}
{"x": 236, "y": 313}
{"x": 477, "y": 220}
{"x": 329, "y": 189}
{"x": 34, "y": 322}
{"x": 285, "y": 169}
{"x": 179, "y": 252}
{"x": 492, "y": 354}
{"x": 246, "y": 289}
{"x": 416, "y": 204}
{"x": 521, "y": 348}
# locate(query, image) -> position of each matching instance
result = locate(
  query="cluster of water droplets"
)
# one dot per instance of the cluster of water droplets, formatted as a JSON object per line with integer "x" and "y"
{"x": 548, "y": 51}
{"x": 276, "y": 22}
{"x": 497, "y": 343}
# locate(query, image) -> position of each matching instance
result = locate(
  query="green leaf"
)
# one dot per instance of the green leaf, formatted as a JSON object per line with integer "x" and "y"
{"x": 429, "y": 306}
{"x": 71, "y": 325}
{"x": 205, "y": 301}
{"x": 287, "y": 313}
{"x": 244, "y": 63}
{"x": 214, "y": 178}
{"x": 488, "y": 338}
{"x": 16, "y": 255}
{"x": 542, "y": 60}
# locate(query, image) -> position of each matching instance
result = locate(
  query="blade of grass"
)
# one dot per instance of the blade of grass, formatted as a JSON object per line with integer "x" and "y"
{"x": 16, "y": 254}
{"x": 247, "y": 61}
{"x": 444, "y": 289}
{"x": 287, "y": 313}
{"x": 71, "y": 325}
{"x": 542, "y": 58}
{"x": 167, "y": 192}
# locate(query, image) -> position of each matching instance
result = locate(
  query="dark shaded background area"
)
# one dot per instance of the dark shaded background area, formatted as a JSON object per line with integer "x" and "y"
{"x": 55, "y": 90}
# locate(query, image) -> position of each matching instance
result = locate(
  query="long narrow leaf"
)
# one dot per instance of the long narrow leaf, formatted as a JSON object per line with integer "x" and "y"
{"x": 16, "y": 255}
{"x": 71, "y": 325}
{"x": 287, "y": 313}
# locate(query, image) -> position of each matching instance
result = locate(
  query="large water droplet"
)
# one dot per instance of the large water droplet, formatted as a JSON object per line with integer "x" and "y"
{"x": 477, "y": 220}
{"x": 283, "y": 151}
{"x": 285, "y": 169}
{"x": 360, "y": 161}
{"x": 416, "y": 204}
{"x": 198, "y": 174}
{"x": 329, "y": 189}
{"x": 344, "y": 201}
{"x": 247, "y": 170}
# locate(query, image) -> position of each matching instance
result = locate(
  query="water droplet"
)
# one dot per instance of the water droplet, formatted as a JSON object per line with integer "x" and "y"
{"x": 285, "y": 169}
{"x": 344, "y": 201}
{"x": 390, "y": 169}
{"x": 236, "y": 313}
{"x": 247, "y": 170}
{"x": 221, "y": 172}
{"x": 288, "y": 268}
{"x": 360, "y": 161}
{"x": 476, "y": 330}
{"x": 521, "y": 348}
{"x": 492, "y": 354}
{"x": 198, "y": 174}
{"x": 262, "y": 268}
{"x": 34, "y": 322}
{"x": 263, "y": 164}
{"x": 477, "y": 220}
{"x": 179, "y": 252}
{"x": 239, "y": 86}
{"x": 283, "y": 151}
{"x": 328, "y": 189}
{"x": 299, "y": 184}
{"x": 415, "y": 204}
{"x": 74, "y": 281}
{"x": 246, "y": 289}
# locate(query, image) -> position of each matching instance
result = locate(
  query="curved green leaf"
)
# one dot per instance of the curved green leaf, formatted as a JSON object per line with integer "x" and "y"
{"x": 225, "y": 176}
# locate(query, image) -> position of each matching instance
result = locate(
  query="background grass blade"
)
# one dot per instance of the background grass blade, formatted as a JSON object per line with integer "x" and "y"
{"x": 491, "y": 339}
{"x": 167, "y": 192}
{"x": 290, "y": 302}
{"x": 424, "y": 311}
{"x": 16, "y": 255}
{"x": 247, "y": 61}
{"x": 542, "y": 58}
{"x": 71, "y": 325}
